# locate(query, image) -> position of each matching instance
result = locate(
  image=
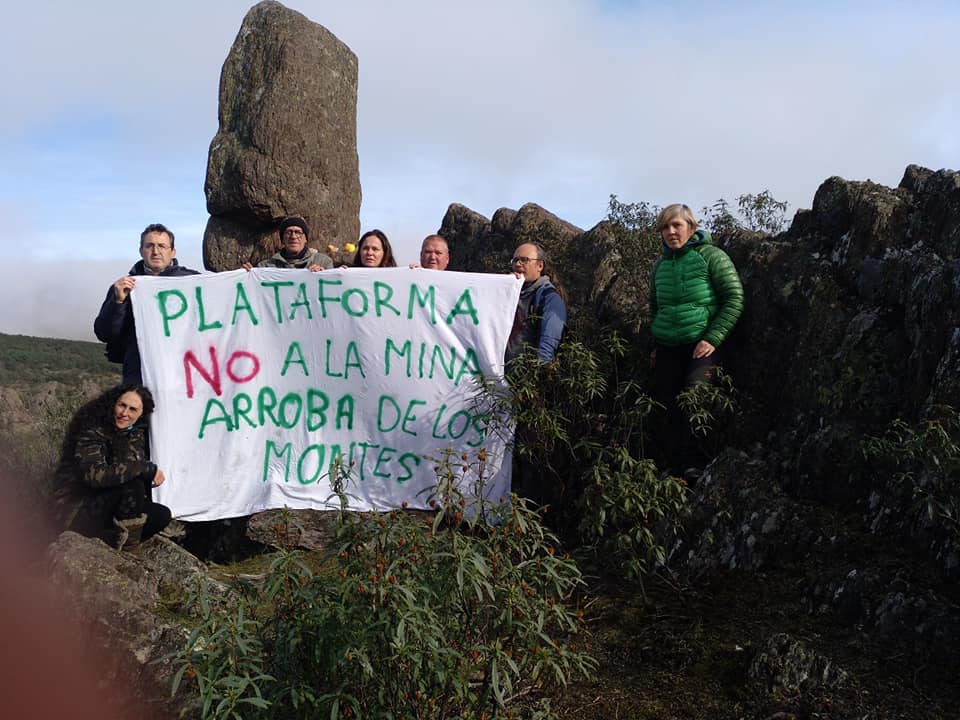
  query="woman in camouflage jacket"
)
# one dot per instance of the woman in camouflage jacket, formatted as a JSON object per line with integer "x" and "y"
{"x": 105, "y": 474}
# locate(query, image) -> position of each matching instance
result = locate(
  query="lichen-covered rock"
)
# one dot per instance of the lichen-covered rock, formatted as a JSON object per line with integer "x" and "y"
{"x": 228, "y": 243}
{"x": 481, "y": 245}
{"x": 305, "y": 529}
{"x": 470, "y": 239}
{"x": 114, "y": 597}
{"x": 787, "y": 666}
{"x": 893, "y": 610}
{"x": 287, "y": 528}
{"x": 620, "y": 294}
{"x": 740, "y": 520}
{"x": 286, "y": 143}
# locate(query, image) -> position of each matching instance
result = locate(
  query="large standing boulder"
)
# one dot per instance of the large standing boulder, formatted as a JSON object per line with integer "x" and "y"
{"x": 287, "y": 141}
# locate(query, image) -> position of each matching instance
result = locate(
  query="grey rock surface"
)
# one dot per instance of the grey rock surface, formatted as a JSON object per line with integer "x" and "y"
{"x": 114, "y": 599}
{"x": 286, "y": 143}
{"x": 788, "y": 666}
{"x": 481, "y": 245}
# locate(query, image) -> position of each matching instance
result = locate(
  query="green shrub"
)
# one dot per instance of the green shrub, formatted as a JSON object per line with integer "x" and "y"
{"x": 584, "y": 425}
{"x": 757, "y": 213}
{"x": 33, "y": 360}
{"x": 452, "y": 619}
{"x": 924, "y": 464}
{"x": 760, "y": 212}
{"x": 626, "y": 507}
{"x": 709, "y": 407}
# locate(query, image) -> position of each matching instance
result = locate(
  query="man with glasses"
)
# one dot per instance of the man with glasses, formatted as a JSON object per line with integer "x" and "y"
{"x": 541, "y": 313}
{"x": 294, "y": 253}
{"x": 114, "y": 324}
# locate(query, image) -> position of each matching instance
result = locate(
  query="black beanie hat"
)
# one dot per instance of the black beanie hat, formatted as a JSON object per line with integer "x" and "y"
{"x": 294, "y": 222}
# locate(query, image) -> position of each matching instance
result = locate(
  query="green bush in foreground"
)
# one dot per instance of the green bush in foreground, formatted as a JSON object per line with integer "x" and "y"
{"x": 454, "y": 619}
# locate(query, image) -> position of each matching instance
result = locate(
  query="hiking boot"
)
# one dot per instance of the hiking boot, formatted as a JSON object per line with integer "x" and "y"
{"x": 128, "y": 532}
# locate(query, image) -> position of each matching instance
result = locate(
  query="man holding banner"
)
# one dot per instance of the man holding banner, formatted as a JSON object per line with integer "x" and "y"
{"x": 115, "y": 323}
{"x": 294, "y": 253}
{"x": 434, "y": 253}
{"x": 541, "y": 313}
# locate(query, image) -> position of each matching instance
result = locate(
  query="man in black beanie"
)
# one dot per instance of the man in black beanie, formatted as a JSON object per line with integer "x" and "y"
{"x": 294, "y": 235}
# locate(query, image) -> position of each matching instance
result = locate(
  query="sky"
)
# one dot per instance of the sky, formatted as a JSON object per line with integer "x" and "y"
{"x": 110, "y": 106}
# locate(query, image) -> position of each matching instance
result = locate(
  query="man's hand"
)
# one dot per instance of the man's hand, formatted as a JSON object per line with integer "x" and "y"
{"x": 315, "y": 268}
{"x": 122, "y": 288}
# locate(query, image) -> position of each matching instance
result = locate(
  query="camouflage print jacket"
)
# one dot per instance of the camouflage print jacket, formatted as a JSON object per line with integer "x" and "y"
{"x": 104, "y": 457}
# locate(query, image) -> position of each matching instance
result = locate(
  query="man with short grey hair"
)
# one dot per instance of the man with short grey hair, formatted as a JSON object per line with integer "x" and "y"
{"x": 434, "y": 253}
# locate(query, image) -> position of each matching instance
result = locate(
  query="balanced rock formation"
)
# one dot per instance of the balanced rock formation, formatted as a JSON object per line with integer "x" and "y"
{"x": 287, "y": 140}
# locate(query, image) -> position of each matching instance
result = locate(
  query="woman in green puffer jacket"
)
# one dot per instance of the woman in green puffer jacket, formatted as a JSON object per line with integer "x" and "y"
{"x": 695, "y": 300}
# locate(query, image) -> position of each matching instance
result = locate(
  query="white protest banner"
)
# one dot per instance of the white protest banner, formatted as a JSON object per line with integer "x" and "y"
{"x": 263, "y": 378}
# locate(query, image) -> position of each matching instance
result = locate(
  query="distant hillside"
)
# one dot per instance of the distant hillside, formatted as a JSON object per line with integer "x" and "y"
{"x": 34, "y": 360}
{"x": 42, "y": 383}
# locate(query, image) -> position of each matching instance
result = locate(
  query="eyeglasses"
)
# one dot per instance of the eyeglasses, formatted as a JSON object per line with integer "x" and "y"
{"x": 293, "y": 231}
{"x": 156, "y": 246}
{"x": 522, "y": 260}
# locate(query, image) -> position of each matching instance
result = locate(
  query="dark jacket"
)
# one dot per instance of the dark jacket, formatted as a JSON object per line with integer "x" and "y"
{"x": 103, "y": 457}
{"x": 114, "y": 324}
{"x": 695, "y": 294}
{"x": 539, "y": 320}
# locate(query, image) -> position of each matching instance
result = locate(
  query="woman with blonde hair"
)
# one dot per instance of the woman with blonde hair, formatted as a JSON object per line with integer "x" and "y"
{"x": 695, "y": 300}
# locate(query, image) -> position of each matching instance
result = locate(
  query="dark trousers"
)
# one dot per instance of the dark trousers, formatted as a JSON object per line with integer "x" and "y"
{"x": 98, "y": 511}
{"x": 535, "y": 478}
{"x": 674, "y": 371}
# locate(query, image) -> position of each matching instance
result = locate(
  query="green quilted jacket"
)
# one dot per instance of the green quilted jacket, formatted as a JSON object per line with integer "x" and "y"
{"x": 695, "y": 294}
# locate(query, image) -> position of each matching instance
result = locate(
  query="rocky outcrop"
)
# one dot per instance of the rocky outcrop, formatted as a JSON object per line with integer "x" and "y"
{"x": 116, "y": 598}
{"x": 286, "y": 143}
{"x": 481, "y": 245}
{"x": 862, "y": 295}
{"x": 851, "y": 322}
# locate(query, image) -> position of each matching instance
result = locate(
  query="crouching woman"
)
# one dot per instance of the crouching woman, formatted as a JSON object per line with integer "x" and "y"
{"x": 105, "y": 476}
